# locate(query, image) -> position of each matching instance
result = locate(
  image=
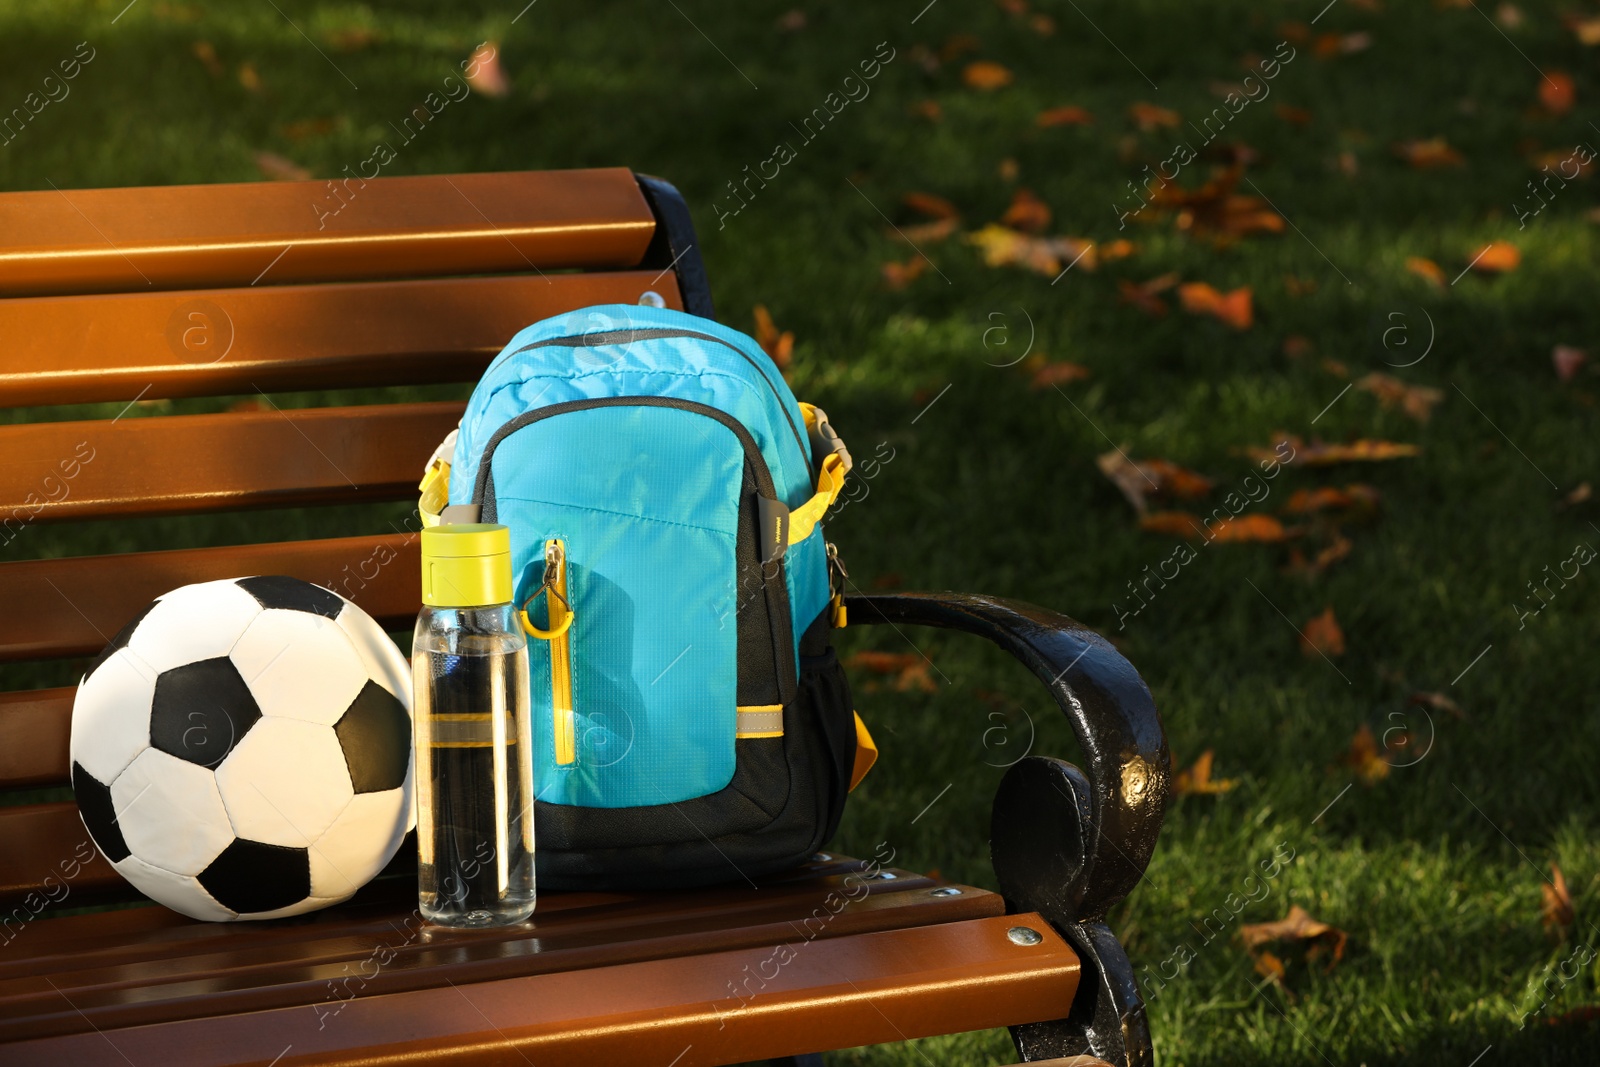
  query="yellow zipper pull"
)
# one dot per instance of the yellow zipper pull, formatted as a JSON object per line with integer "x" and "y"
{"x": 838, "y": 616}
{"x": 559, "y": 616}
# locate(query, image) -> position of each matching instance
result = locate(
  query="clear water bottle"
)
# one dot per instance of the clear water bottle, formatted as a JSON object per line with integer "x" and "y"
{"x": 474, "y": 781}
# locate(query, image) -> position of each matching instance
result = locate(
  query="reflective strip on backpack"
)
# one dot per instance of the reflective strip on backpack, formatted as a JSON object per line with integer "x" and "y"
{"x": 761, "y": 720}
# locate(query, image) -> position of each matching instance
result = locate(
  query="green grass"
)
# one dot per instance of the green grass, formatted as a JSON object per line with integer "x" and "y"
{"x": 1435, "y": 871}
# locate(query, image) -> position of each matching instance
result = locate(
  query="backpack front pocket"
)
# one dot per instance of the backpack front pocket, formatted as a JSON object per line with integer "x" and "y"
{"x": 640, "y": 508}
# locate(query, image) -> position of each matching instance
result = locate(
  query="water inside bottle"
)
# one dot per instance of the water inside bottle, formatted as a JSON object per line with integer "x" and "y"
{"x": 474, "y": 783}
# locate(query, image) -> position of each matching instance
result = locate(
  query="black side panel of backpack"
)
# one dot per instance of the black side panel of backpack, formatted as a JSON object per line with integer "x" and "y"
{"x": 783, "y": 804}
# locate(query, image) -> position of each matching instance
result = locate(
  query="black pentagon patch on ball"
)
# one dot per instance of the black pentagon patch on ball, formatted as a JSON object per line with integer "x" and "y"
{"x": 250, "y": 876}
{"x": 124, "y": 635}
{"x": 375, "y": 733}
{"x": 201, "y": 711}
{"x": 291, "y": 594}
{"x": 99, "y": 814}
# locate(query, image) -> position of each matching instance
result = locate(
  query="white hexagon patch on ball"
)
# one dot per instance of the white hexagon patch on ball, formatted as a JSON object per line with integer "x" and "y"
{"x": 242, "y": 749}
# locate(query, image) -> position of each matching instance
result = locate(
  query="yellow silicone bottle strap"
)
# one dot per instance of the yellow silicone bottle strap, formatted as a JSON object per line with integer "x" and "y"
{"x": 435, "y": 489}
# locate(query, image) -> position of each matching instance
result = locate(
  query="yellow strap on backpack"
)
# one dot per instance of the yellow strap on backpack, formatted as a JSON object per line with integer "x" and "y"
{"x": 831, "y": 469}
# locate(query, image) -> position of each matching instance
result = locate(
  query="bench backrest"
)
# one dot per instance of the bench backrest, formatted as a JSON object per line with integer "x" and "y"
{"x": 124, "y": 295}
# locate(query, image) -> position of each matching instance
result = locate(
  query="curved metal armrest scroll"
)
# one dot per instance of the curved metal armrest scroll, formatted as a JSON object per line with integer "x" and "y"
{"x": 1105, "y": 820}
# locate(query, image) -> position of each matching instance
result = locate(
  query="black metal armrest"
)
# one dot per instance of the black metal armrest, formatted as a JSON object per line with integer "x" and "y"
{"x": 1065, "y": 842}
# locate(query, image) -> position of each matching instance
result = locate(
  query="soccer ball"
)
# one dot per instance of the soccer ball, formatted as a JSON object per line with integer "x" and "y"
{"x": 242, "y": 749}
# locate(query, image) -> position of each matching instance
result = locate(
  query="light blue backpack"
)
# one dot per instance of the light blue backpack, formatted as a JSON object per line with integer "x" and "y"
{"x": 664, "y": 492}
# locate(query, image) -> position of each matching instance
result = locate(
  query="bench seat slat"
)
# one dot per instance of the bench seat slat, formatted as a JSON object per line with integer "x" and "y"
{"x": 887, "y": 968}
{"x": 278, "y": 233}
{"x": 229, "y": 969}
{"x": 80, "y": 349}
{"x": 270, "y": 457}
{"x": 76, "y": 605}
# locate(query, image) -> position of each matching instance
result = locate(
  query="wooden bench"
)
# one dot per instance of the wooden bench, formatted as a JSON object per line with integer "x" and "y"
{"x": 137, "y": 294}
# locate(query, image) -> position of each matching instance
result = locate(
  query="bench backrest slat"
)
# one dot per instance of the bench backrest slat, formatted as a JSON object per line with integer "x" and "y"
{"x": 206, "y": 236}
{"x": 76, "y": 605}
{"x": 270, "y": 457}
{"x": 78, "y": 349}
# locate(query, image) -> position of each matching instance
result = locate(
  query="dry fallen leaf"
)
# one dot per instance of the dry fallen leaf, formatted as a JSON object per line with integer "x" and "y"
{"x": 929, "y": 109}
{"x": 1177, "y": 481}
{"x": 1327, "y": 556}
{"x": 1045, "y": 374}
{"x": 206, "y": 53}
{"x": 1137, "y": 480}
{"x": 1555, "y": 907}
{"x": 958, "y": 45}
{"x": 792, "y": 20}
{"x": 1426, "y": 268}
{"x": 780, "y": 346}
{"x": 1003, "y": 247}
{"x": 1568, "y": 361}
{"x": 1557, "y": 92}
{"x": 1498, "y": 257}
{"x": 1151, "y": 117}
{"x": 1120, "y": 248}
{"x": 1067, "y": 115}
{"x": 1580, "y": 494}
{"x": 280, "y": 169}
{"x": 935, "y": 207}
{"x": 1354, "y": 497}
{"x": 1173, "y": 524}
{"x": 1043, "y": 25}
{"x": 1297, "y": 116}
{"x": 1329, "y": 45}
{"x": 1564, "y": 161}
{"x": 899, "y": 275}
{"x": 350, "y": 38}
{"x": 910, "y": 670}
{"x": 1438, "y": 702}
{"x": 305, "y": 129}
{"x": 1270, "y": 967}
{"x": 1027, "y": 212}
{"x": 249, "y": 78}
{"x": 1585, "y": 27}
{"x": 1415, "y": 400}
{"x": 1143, "y": 295}
{"x": 1318, "y": 454}
{"x": 1196, "y": 781}
{"x": 925, "y": 233}
{"x": 1509, "y": 15}
{"x": 1233, "y": 308}
{"x": 1297, "y": 346}
{"x": 1364, "y": 758}
{"x": 986, "y": 76}
{"x": 1429, "y": 154}
{"x": 1246, "y": 528}
{"x": 1216, "y": 209}
{"x": 1298, "y": 925}
{"x": 1322, "y": 634}
{"x": 484, "y": 73}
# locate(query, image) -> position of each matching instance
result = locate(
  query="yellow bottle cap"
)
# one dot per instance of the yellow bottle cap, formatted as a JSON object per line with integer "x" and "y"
{"x": 466, "y": 565}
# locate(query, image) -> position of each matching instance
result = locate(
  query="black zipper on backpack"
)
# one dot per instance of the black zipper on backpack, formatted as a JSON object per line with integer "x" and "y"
{"x": 622, "y": 337}
{"x": 776, "y": 586}
{"x": 483, "y": 491}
